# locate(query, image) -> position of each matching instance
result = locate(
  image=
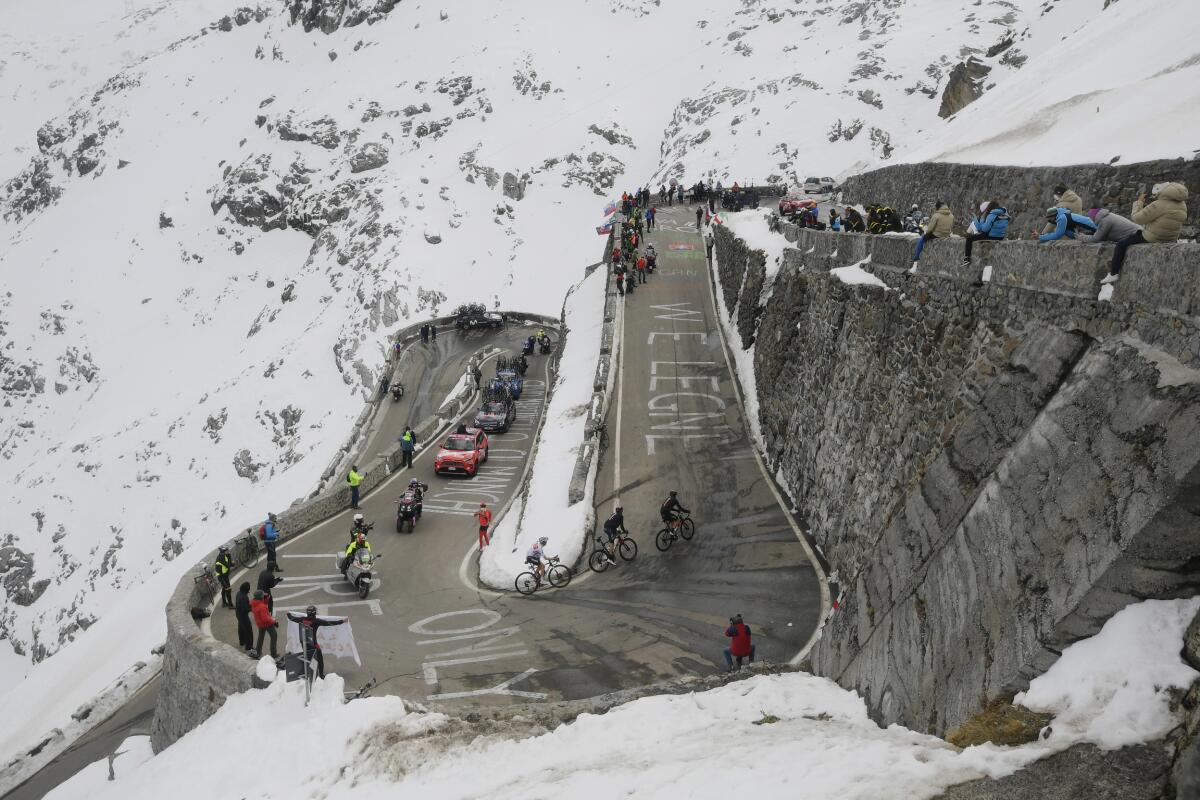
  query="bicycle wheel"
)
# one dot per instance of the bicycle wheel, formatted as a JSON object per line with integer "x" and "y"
{"x": 628, "y": 549}
{"x": 598, "y": 561}
{"x": 559, "y": 576}
{"x": 687, "y": 529}
{"x": 247, "y": 553}
{"x": 526, "y": 583}
{"x": 664, "y": 540}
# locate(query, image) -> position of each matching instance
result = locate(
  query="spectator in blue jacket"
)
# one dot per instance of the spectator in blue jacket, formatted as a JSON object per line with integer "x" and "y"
{"x": 270, "y": 538}
{"x": 1066, "y": 222}
{"x": 992, "y": 223}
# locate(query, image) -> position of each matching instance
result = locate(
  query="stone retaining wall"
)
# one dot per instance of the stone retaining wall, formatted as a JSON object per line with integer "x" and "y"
{"x": 992, "y": 467}
{"x": 1025, "y": 191}
{"x": 200, "y": 672}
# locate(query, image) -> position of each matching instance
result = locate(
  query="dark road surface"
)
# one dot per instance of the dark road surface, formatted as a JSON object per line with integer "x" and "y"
{"x": 428, "y": 632}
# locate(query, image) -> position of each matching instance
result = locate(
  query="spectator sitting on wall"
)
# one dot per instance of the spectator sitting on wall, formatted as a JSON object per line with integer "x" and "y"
{"x": 835, "y": 221}
{"x": 1161, "y": 221}
{"x": 992, "y": 223}
{"x": 937, "y": 227}
{"x": 1065, "y": 198}
{"x": 1110, "y": 227}
{"x": 1064, "y": 222}
{"x": 852, "y": 221}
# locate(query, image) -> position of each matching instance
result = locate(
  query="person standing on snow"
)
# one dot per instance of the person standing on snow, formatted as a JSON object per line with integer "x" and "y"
{"x": 741, "y": 646}
{"x": 241, "y": 610}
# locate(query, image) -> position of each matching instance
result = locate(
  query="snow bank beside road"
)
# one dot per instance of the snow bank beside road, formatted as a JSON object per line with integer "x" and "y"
{"x": 752, "y": 228}
{"x": 816, "y": 736}
{"x": 545, "y": 512}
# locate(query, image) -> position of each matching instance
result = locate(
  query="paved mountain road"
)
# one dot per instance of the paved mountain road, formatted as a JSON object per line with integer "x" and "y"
{"x": 428, "y": 632}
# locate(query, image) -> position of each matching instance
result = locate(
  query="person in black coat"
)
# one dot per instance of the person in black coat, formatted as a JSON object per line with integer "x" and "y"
{"x": 267, "y": 580}
{"x": 241, "y": 609}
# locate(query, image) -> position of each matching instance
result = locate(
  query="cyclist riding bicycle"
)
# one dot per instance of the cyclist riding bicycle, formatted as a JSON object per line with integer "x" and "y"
{"x": 612, "y": 525}
{"x": 671, "y": 510}
{"x": 534, "y": 556}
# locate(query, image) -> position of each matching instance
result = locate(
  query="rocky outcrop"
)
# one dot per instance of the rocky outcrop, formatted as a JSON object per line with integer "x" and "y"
{"x": 1025, "y": 191}
{"x": 964, "y": 87}
{"x": 329, "y": 15}
{"x": 992, "y": 468}
{"x": 371, "y": 155}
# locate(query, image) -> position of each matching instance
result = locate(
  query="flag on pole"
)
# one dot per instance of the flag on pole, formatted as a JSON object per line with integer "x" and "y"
{"x": 605, "y": 229}
{"x": 335, "y": 640}
{"x": 610, "y": 209}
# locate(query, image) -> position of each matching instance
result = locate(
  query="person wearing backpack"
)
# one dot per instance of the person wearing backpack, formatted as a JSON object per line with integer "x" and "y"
{"x": 269, "y": 533}
{"x": 1063, "y": 222}
{"x": 991, "y": 224}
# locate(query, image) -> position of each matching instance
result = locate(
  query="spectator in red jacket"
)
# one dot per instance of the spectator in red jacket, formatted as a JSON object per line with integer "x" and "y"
{"x": 740, "y": 647}
{"x": 641, "y": 269}
{"x": 266, "y": 625}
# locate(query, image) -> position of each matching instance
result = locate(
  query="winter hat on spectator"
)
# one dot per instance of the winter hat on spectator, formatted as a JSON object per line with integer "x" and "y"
{"x": 1092, "y": 212}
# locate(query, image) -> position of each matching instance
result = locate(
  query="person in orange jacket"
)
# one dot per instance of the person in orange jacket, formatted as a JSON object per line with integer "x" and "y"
{"x": 484, "y": 515}
{"x": 641, "y": 269}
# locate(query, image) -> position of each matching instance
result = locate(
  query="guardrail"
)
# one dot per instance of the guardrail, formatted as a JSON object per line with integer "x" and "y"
{"x": 199, "y": 672}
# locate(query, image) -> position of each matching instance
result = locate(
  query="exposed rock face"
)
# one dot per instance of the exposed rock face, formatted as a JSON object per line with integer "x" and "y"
{"x": 1131, "y": 773}
{"x": 1024, "y": 191}
{"x": 992, "y": 470}
{"x": 964, "y": 87}
{"x": 329, "y": 15}
{"x": 371, "y": 155}
{"x": 16, "y": 567}
{"x": 514, "y": 187}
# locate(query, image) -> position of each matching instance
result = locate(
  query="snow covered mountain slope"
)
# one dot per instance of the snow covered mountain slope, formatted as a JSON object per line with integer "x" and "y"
{"x": 211, "y": 216}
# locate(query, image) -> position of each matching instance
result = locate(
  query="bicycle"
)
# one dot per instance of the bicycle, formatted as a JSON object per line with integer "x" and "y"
{"x": 556, "y": 574}
{"x": 206, "y": 581}
{"x": 681, "y": 527}
{"x": 246, "y": 549}
{"x": 623, "y": 545}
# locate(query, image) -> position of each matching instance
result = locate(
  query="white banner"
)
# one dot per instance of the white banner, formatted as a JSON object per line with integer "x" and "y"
{"x": 335, "y": 640}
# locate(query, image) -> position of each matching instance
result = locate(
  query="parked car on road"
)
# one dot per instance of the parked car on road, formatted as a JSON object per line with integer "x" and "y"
{"x": 495, "y": 416}
{"x": 744, "y": 197}
{"x": 462, "y": 453}
{"x": 828, "y": 186}
{"x": 812, "y": 185}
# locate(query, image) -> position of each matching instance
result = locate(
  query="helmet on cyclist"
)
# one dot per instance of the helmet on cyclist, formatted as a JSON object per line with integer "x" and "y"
{"x": 620, "y": 509}
{"x": 544, "y": 540}
{"x": 358, "y": 517}
{"x": 674, "y": 493}
{"x": 311, "y": 611}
